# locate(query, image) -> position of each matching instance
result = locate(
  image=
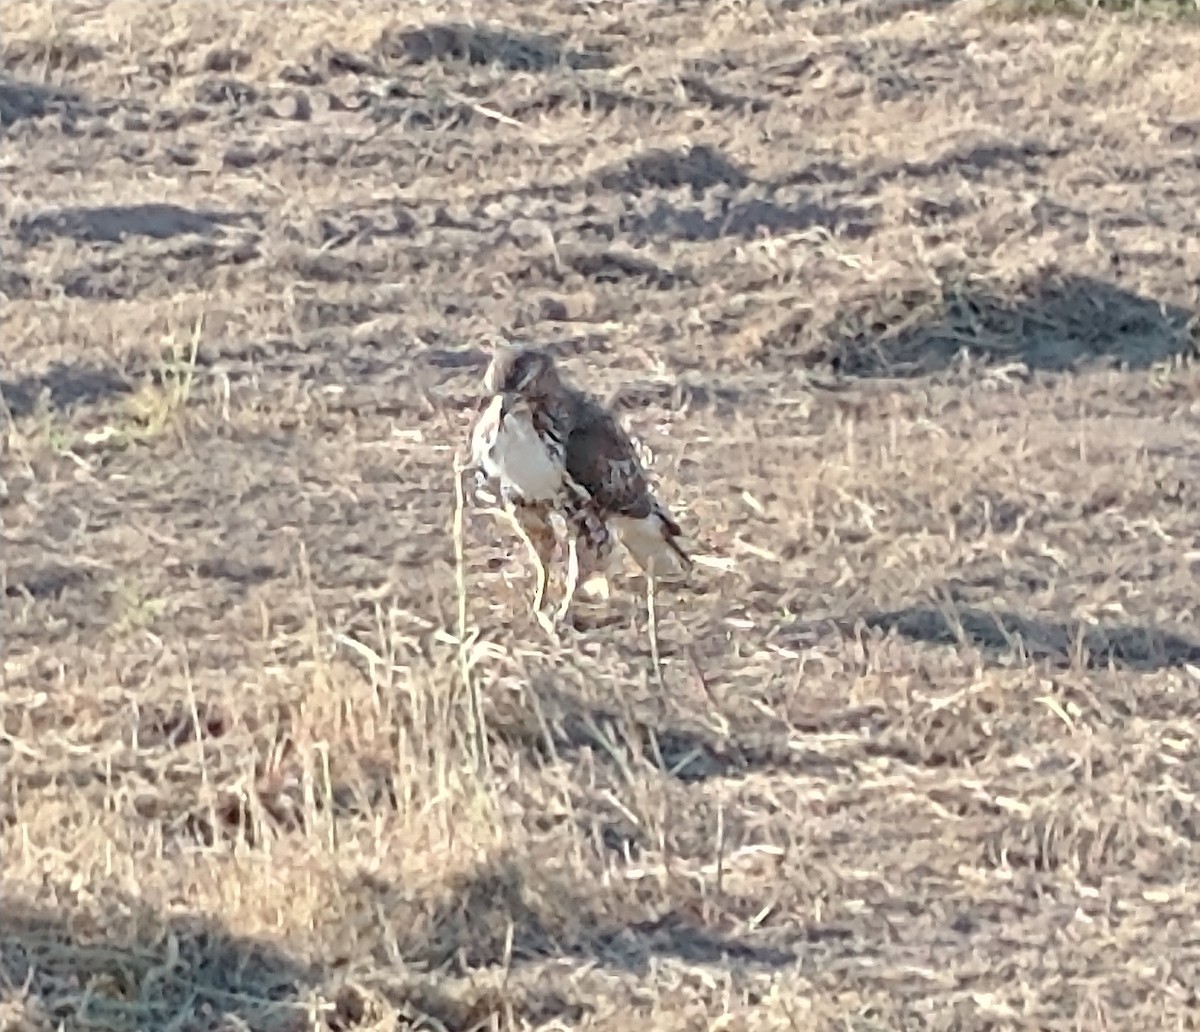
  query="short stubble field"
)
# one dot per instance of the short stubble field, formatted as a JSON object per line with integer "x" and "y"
{"x": 901, "y": 295}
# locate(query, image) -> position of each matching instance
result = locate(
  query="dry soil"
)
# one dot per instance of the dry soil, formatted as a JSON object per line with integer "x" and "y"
{"x": 902, "y": 297}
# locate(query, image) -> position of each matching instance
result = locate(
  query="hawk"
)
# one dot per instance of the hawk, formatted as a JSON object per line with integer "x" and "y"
{"x": 556, "y": 451}
{"x": 506, "y": 448}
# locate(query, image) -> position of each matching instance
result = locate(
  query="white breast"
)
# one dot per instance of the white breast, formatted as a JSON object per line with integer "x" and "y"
{"x": 507, "y": 447}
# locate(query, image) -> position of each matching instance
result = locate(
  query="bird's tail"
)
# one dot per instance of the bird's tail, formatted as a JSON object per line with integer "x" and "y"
{"x": 656, "y": 542}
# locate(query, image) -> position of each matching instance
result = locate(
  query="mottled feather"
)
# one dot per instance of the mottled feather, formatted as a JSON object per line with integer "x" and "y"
{"x": 599, "y": 458}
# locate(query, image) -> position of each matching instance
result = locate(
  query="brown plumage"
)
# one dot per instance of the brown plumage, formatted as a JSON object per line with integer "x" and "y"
{"x": 606, "y": 495}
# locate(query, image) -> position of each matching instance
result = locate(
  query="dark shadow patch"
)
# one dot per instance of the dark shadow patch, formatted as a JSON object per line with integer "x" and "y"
{"x": 64, "y": 386}
{"x": 25, "y": 101}
{"x": 617, "y": 267}
{"x": 227, "y": 59}
{"x": 890, "y": 10}
{"x": 323, "y": 267}
{"x": 49, "y": 604}
{"x": 876, "y": 12}
{"x": 195, "y": 964}
{"x": 342, "y": 62}
{"x": 818, "y": 173}
{"x": 972, "y": 162}
{"x": 14, "y": 284}
{"x": 207, "y": 977}
{"x": 426, "y": 113}
{"x": 1185, "y": 133}
{"x": 699, "y": 90}
{"x": 564, "y": 725}
{"x": 46, "y": 583}
{"x": 156, "y": 270}
{"x": 1054, "y": 323}
{"x": 587, "y": 99}
{"x": 498, "y": 913}
{"x": 948, "y": 738}
{"x": 247, "y": 155}
{"x": 747, "y": 220}
{"x": 473, "y": 359}
{"x": 57, "y": 54}
{"x": 1014, "y": 10}
{"x": 113, "y": 223}
{"x": 180, "y": 724}
{"x": 315, "y": 313}
{"x": 236, "y": 571}
{"x": 1060, "y": 643}
{"x": 966, "y": 162}
{"x": 897, "y": 69}
{"x": 462, "y": 1009}
{"x": 485, "y": 45}
{"x": 700, "y": 167}
{"x": 248, "y": 819}
{"x": 302, "y": 75}
{"x": 673, "y": 936}
{"x": 225, "y": 92}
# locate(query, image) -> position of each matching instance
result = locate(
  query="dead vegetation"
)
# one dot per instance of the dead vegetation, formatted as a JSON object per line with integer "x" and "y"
{"x": 901, "y": 296}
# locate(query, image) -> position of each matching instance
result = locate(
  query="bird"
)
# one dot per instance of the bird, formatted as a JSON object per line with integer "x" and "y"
{"x": 557, "y": 450}
{"x": 506, "y": 448}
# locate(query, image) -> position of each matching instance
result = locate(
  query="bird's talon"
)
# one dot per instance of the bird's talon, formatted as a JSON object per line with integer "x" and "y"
{"x": 597, "y": 587}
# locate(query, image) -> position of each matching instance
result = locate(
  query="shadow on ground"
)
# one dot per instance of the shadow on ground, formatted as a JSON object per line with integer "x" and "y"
{"x": 66, "y": 970}
{"x": 511, "y": 49}
{"x": 23, "y": 101}
{"x": 1065, "y": 643}
{"x": 970, "y": 162}
{"x": 64, "y": 387}
{"x": 1055, "y": 324}
{"x": 966, "y": 162}
{"x": 181, "y": 972}
{"x": 747, "y": 220}
{"x": 554, "y": 723}
{"x": 497, "y": 915}
{"x": 112, "y": 223}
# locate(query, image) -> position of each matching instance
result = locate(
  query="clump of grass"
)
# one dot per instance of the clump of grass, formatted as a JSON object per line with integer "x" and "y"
{"x": 159, "y": 403}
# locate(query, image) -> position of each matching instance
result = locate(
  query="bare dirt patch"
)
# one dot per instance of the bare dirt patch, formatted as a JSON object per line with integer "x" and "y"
{"x": 903, "y": 298}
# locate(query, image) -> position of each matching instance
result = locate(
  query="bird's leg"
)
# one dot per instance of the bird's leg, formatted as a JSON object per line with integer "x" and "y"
{"x": 577, "y": 531}
{"x": 596, "y": 586}
{"x": 590, "y": 553}
{"x": 541, "y": 573}
{"x": 599, "y": 542}
{"x": 652, "y": 628}
{"x": 572, "y": 578}
{"x": 593, "y": 566}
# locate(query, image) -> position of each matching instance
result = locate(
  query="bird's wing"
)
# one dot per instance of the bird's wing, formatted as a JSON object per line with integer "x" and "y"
{"x": 603, "y": 461}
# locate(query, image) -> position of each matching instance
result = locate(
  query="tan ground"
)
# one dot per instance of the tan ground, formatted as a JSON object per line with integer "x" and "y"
{"x": 902, "y": 297}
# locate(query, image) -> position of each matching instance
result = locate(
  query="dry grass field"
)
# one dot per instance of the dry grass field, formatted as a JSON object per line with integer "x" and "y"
{"x": 902, "y": 296}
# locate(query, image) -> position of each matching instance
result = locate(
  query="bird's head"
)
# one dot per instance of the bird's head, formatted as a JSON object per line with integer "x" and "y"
{"x": 525, "y": 371}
